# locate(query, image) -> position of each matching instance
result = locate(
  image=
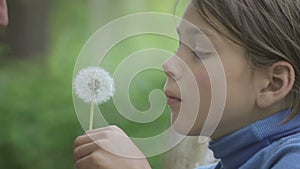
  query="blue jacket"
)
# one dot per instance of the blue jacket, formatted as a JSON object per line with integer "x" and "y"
{"x": 265, "y": 144}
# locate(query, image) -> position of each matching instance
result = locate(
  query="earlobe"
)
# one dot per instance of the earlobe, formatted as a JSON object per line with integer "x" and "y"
{"x": 278, "y": 81}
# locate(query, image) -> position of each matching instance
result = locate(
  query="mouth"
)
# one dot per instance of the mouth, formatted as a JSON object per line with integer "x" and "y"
{"x": 172, "y": 98}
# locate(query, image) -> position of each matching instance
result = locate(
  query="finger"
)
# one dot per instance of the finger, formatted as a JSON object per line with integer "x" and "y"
{"x": 80, "y": 140}
{"x": 85, "y": 150}
{"x": 105, "y": 133}
{"x": 91, "y": 161}
{"x": 112, "y": 127}
{"x": 91, "y": 137}
{"x": 83, "y": 163}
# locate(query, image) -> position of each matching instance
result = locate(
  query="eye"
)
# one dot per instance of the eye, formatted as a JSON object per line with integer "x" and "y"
{"x": 194, "y": 53}
{"x": 200, "y": 54}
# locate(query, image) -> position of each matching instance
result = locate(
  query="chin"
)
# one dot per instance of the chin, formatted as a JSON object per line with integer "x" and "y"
{"x": 184, "y": 129}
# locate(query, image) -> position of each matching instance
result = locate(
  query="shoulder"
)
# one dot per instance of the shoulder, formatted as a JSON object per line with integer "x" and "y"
{"x": 287, "y": 146}
{"x": 211, "y": 166}
{"x": 285, "y": 153}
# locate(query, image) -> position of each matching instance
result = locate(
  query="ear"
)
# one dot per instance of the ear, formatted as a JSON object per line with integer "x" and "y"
{"x": 274, "y": 84}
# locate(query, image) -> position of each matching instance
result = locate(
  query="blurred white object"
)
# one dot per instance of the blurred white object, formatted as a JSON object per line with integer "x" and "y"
{"x": 190, "y": 153}
{"x": 94, "y": 85}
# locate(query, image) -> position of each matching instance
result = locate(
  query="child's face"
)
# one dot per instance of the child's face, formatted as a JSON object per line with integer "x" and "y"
{"x": 240, "y": 97}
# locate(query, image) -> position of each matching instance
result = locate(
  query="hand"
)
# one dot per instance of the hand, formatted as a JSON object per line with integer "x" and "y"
{"x": 108, "y": 148}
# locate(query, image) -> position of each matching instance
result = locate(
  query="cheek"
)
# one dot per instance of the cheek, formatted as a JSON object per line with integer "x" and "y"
{"x": 240, "y": 93}
{"x": 238, "y": 79}
{"x": 240, "y": 97}
{"x": 187, "y": 122}
{"x": 203, "y": 81}
{"x": 204, "y": 87}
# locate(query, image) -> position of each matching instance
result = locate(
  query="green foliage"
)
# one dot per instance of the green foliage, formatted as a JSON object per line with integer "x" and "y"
{"x": 37, "y": 117}
{"x": 38, "y": 120}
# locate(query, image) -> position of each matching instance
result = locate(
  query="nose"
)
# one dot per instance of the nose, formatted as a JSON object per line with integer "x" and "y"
{"x": 3, "y": 13}
{"x": 173, "y": 67}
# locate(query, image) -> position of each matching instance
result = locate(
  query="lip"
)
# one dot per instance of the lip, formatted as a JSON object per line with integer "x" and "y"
{"x": 173, "y": 101}
{"x": 172, "y": 98}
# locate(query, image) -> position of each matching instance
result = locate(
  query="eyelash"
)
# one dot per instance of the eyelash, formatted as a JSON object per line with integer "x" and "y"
{"x": 203, "y": 56}
{"x": 195, "y": 54}
{"x": 200, "y": 55}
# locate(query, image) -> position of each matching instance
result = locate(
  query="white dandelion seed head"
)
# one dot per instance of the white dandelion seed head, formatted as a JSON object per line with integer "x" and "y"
{"x": 94, "y": 85}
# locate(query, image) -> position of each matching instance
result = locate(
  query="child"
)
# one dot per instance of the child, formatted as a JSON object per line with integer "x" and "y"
{"x": 258, "y": 42}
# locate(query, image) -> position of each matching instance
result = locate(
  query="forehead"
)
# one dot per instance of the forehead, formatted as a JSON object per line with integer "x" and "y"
{"x": 186, "y": 27}
{"x": 192, "y": 22}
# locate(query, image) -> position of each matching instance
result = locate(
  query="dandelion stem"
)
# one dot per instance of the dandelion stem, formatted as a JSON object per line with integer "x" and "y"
{"x": 91, "y": 116}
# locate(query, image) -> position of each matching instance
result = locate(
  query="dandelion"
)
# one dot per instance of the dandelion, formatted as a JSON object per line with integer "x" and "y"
{"x": 94, "y": 85}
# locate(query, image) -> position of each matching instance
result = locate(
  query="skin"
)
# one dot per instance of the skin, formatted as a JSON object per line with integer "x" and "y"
{"x": 3, "y": 13}
{"x": 251, "y": 95}
{"x": 109, "y": 148}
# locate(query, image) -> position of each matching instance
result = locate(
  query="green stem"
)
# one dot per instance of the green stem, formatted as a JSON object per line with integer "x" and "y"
{"x": 91, "y": 116}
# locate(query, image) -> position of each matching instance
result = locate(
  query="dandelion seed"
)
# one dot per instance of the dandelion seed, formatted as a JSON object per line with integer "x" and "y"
{"x": 94, "y": 85}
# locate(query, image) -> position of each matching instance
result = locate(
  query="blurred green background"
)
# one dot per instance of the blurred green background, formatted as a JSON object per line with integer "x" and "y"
{"x": 38, "y": 51}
